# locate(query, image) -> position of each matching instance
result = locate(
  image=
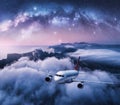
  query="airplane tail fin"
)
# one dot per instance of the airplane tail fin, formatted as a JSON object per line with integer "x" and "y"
{"x": 77, "y": 66}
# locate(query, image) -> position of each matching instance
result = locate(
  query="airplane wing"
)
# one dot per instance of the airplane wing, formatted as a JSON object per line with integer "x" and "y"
{"x": 115, "y": 74}
{"x": 110, "y": 74}
{"x": 97, "y": 82}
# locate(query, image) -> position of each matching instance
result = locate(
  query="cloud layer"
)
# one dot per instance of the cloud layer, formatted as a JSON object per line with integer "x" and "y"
{"x": 23, "y": 83}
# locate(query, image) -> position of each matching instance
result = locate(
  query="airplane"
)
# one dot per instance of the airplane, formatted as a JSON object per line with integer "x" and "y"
{"x": 69, "y": 76}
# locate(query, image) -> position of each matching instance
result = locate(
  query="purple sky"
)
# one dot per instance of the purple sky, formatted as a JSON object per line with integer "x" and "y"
{"x": 43, "y": 24}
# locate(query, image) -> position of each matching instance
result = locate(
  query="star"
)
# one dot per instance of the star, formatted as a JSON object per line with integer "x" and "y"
{"x": 96, "y": 23}
{"x": 73, "y": 25}
{"x": 94, "y": 32}
{"x": 25, "y": 14}
{"x": 55, "y": 32}
{"x": 35, "y": 8}
{"x": 60, "y": 41}
{"x": 69, "y": 29}
{"x": 115, "y": 19}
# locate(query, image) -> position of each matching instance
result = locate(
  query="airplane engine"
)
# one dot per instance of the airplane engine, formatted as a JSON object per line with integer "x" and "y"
{"x": 80, "y": 85}
{"x": 48, "y": 78}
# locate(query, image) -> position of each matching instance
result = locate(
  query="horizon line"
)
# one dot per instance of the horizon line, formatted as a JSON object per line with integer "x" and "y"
{"x": 66, "y": 43}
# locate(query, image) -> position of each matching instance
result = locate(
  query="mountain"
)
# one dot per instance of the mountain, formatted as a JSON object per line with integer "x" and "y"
{"x": 34, "y": 55}
{"x": 93, "y": 56}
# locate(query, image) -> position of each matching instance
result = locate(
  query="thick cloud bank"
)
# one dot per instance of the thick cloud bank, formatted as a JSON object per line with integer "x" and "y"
{"x": 23, "y": 83}
{"x": 99, "y": 55}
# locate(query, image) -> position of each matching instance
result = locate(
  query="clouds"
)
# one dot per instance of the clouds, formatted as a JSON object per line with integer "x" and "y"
{"x": 105, "y": 56}
{"x": 23, "y": 83}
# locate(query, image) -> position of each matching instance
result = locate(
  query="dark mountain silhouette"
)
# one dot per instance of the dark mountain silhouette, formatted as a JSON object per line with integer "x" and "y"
{"x": 34, "y": 55}
{"x": 61, "y": 51}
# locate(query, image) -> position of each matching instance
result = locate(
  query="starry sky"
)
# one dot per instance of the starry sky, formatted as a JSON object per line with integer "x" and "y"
{"x": 49, "y": 22}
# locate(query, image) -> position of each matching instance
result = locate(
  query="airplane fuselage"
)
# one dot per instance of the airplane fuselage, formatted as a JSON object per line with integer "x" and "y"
{"x": 65, "y": 76}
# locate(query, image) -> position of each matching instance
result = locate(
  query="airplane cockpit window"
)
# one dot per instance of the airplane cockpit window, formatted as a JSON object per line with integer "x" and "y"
{"x": 59, "y": 75}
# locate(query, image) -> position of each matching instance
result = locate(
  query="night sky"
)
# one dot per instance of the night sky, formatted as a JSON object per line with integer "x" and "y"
{"x": 48, "y": 22}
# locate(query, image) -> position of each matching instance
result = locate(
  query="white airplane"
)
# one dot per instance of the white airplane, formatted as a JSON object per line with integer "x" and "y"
{"x": 70, "y": 76}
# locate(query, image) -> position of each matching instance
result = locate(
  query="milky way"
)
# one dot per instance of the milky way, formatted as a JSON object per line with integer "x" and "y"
{"x": 34, "y": 22}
